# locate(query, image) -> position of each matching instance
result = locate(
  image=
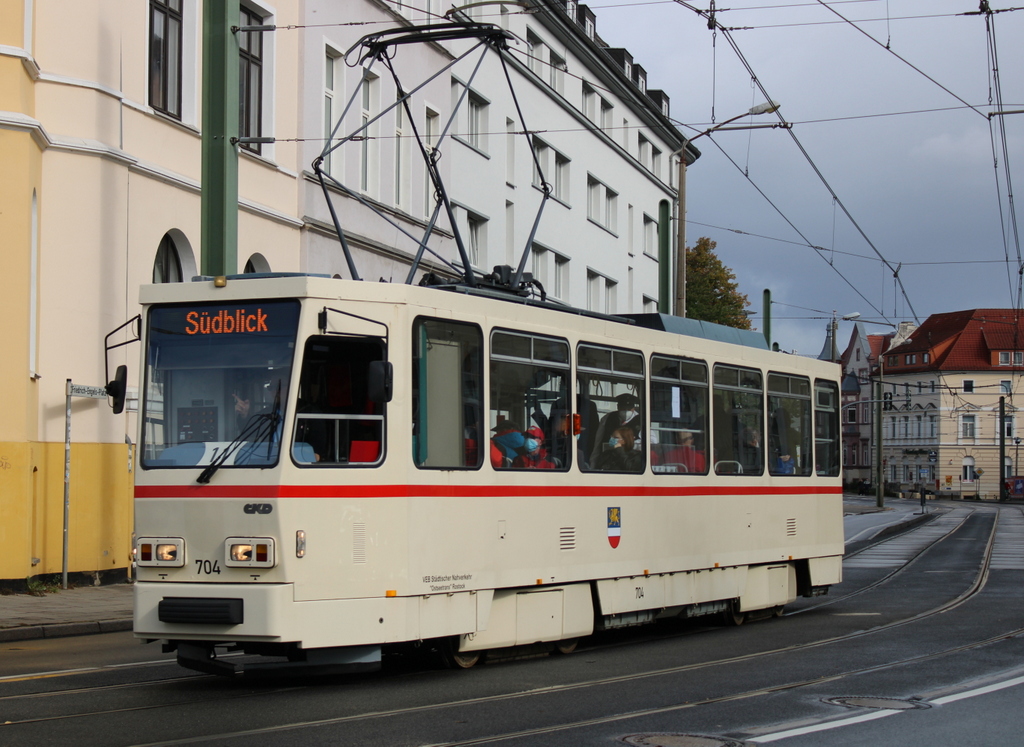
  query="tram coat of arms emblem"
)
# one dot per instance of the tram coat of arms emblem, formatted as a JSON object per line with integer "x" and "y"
{"x": 614, "y": 525}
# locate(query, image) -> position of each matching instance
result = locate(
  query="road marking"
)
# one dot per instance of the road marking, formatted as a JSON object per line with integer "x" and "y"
{"x": 985, "y": 690}
{"x": 824, "y": 727}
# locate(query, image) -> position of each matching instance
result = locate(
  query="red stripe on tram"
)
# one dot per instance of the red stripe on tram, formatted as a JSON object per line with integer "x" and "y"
{"x": 465, "y": 491}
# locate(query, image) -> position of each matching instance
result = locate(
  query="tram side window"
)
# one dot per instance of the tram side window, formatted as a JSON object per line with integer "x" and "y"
{"x": 336, "y": 423}
{"x": 826, "y": 428}
{"x": 530, "y": 419}
{"x": 611, "y": 404}
{"x": 679, "y": 415}
{"x": 789, "y": 425}
{"x": 738, "y": 421}
{"x": 447, "y": 374}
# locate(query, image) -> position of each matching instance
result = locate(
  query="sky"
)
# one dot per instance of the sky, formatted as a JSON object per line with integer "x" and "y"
{"x": 902, "y": 150}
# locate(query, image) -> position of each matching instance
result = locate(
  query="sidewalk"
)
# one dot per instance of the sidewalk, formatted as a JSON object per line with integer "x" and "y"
{"x": 82, "y": 611}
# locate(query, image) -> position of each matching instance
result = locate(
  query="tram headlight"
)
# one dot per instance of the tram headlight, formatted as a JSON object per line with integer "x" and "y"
{"x": 249, "y": 552}
{"x": 160, "y": 551}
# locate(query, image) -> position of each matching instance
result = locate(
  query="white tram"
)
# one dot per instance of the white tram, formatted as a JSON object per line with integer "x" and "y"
{"x": 330, "y": 467}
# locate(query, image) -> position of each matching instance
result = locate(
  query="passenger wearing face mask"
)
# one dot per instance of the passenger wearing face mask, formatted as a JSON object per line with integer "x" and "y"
{"x": 620, "y": 456}
{"x": 536, "y": 456}
{"x": 626, "y": 415}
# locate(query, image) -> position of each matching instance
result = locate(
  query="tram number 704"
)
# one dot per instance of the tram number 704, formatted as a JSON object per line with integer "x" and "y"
{"x": 639, "y": 592}
{"x": 207, "y": 566}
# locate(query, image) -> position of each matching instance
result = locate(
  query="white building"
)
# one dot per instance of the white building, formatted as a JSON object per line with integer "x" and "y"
{"x": 100, "y": 136}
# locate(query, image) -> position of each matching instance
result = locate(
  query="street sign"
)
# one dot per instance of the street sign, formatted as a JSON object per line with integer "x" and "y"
{"x": 933, "y": 456}
{"x": 979, "y": 472}
{"x": 81, "y": 390}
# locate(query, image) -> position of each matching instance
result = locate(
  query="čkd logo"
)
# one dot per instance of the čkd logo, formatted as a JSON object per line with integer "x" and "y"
{"x": 258, "y": 508}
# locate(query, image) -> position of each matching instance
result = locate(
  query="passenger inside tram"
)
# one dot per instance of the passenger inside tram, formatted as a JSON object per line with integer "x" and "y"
{"x": 677, "y": 453}
{"x": 536, "y": 456}
{"x": 620, "y": 456}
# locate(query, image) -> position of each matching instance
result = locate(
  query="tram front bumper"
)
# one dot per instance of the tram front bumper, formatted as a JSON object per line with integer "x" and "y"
{"x": 213, "y": 612}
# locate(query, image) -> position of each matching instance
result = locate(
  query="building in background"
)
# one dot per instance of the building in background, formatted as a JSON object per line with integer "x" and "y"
{"x": 100, "y": 134}
{"x": 942, "y": 384}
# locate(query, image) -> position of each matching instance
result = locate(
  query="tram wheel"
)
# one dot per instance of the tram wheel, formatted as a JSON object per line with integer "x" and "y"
{"x": 733, "y": 616}
{"x": 567, "y": 646}
{"x": 452, "y": 658}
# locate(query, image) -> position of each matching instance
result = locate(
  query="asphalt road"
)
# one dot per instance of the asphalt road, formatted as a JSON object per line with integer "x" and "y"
{"x": 923, "y": 643}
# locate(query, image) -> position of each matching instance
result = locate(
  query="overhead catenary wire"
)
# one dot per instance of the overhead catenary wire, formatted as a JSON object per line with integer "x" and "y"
{"x": 741, "y": 57}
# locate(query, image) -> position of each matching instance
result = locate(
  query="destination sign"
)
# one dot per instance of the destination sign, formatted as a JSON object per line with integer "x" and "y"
{"x": 225, "y": 322}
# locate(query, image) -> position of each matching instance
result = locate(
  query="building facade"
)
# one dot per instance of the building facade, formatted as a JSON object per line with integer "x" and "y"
{"x": 100, "y": 142}
{"x": 943, "y": 387}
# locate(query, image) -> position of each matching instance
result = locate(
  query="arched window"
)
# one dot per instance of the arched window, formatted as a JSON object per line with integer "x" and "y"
{"x": 967, "y": 474}
{"x": 167, "y": 267}
{"x": 257, "y": 263}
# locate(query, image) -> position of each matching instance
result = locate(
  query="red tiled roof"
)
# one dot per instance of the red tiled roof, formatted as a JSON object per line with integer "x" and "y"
{"x": 962, "y": 340}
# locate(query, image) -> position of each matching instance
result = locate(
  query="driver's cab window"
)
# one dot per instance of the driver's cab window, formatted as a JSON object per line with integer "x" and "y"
{"x": 336, "y": 421}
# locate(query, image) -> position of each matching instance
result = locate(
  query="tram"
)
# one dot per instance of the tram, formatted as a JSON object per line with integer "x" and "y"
{"x": 329, "y": 468}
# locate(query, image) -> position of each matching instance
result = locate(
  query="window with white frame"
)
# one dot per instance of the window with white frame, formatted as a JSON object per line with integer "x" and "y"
{"x": 611, "y": 209}
{"x": 401, "y": 156}
{"x": 431, "y": 131}
{"x": 643, "y": 150}
{"x": 165, "y": 56}
{"x": 539, "y": 260}
{"x": 1011, "y": 358}
{"x": 968, "y": 426}
{"x": 932, "y": 426}
{"x": 1008, "y": 428}
{"x": 535, "y": 52}
{"x": 967, "y": 473}
{"x": 369, "y": 96}
{"x": 590, "y": 109}
{"x": 542, "y": 157}
{"x": 601, "y": 293}
{"x": 650, "y": 236}
{"x": 477, "y": 129}
{"x": 650, "y": 305}
{"x": 851, "y": 415}
{"x": 655, "y": 161}
{"x": 1006, "y": 386}
{"x": 476, "y": 237}
{"x": 556, "y": 75}
{"x": 968, "y": 387}
{"x": 510, "y": 232}
{"x": 332, "y": 77}
{"x": 560, "y": 279}
{"x": 926, "y": 357}
{"x": 510, "y": 151}
{"x": 561, "y": 185}
{"x": 606, "y": 116}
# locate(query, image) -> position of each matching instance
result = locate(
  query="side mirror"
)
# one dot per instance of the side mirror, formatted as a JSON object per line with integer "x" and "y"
{"x": 378, "y": 386}
{"x": 118, "y": 388}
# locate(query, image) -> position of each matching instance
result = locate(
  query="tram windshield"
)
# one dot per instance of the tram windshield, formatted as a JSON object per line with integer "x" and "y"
{"x": 216, "y": 381}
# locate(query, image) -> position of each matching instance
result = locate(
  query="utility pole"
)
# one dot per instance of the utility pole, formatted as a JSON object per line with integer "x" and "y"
{"x": 219, "y": 197}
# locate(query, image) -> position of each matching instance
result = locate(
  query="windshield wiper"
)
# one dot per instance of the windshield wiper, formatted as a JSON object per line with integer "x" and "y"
{"x": 259, "y": 427}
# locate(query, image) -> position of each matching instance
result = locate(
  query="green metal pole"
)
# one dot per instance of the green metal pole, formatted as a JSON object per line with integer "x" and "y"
{"x": 220, "y": 125}
{"x": 766, "y": 312}
{"x": 664, "y": 258}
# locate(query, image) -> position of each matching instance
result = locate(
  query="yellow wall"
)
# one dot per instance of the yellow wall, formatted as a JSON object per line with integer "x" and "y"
{"x": 32, "y": 506}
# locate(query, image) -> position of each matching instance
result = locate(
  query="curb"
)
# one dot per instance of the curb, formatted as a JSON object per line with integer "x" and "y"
{"x": 63, "y": 630}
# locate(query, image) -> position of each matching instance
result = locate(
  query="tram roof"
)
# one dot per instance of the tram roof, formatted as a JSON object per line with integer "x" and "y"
{"x": 698, "y": 328}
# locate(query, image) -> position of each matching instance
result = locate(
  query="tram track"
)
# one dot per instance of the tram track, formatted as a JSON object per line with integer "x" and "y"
{"x": 977, "y": 584}
{"x": 896, "y": 571}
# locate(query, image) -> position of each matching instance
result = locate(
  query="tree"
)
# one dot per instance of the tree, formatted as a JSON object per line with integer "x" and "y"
{"x": 711, "y": 293}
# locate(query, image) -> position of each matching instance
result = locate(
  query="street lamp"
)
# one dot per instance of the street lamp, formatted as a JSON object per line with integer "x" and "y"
{"x": 767, "y": 107}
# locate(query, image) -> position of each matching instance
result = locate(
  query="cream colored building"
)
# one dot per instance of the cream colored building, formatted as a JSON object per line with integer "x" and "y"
{"x": 100, "y": 154}
{"x": 942, "y": 429}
